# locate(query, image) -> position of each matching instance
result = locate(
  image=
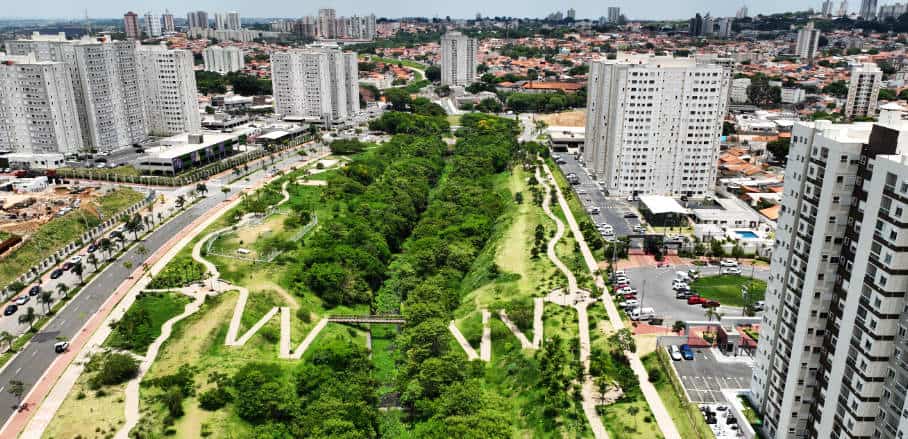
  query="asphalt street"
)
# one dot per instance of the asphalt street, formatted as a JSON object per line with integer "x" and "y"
{"x": 654, "y": 288}
{"x": 30, "y": 363}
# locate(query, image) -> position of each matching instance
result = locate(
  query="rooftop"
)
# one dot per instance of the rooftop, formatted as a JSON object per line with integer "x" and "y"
{"x": 659, "y": 204}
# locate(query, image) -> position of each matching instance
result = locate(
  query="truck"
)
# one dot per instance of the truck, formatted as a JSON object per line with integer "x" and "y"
{"x": 642, "y": 313}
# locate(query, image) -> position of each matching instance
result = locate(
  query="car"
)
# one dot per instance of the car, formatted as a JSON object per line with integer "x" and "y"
{"x": 629, "y": 296}
{"x": 629, "y": 303}
{"x": 686, "y": 352}
{"x": 638, "y": 313}
{"x": 683, "y": 294}
{"x": 679, "y": 285}
{"x": 581, "y": 192}
{"x": 759, "y": 305}
{"x": 10, "y": 310}
{"x": 61, "y": 347}
{"x": 627, "y": 290}
{"x": 92, "y": 248}
{"x": 695, "y": 300}
{"x": 21, "y": 300}
{"x": 67, "y": 266}
{"x": 693, "y": 273}
{"x": 34, "y": 290}
{"x": 56, "y": 273}
{"x": 710, "y": 303}
{"x": 594, "y": 210}
{"x": 675, "y": 352}
{"x": 639, "y": 229}
{"x": 731, "y": 270}
{"x": 728, "y": 263}
{"x": 630, "y": 215}
{"x": 621, "y": 285}
{"x": 631, "y": 198}
{"x": 75, "y": 259}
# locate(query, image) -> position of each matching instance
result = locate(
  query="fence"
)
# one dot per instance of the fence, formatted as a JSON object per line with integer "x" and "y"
{"x": 189, "y": 177}
{"x": 78, "y": 243}
{"x": 268, "y": 258}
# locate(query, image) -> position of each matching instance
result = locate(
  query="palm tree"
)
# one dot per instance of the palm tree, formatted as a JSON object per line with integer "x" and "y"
{"x": 180, "y": 201}
{"x": 29, "y": 317}
{"x": 62, "y": 289}
{"x": 134, "y": 225}
{"x": 633, "y": 410}
{"x": 78, "y": 269}
{"x": 7, "y": 339}
{"x": 201, "y": 188}
{"x": 225, "y": 190}
{"x": 46, "y": 299}
{"x": 93, "y": 260}
{"x": 106, "y": 246}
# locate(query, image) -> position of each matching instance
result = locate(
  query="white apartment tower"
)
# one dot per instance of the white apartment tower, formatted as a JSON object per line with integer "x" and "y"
{"x": 808, "y": 40}
{"x": 654, "y": 123}
{"x": 223, "y": 59}
{"x": 167, "y": 20}
{"x": 614, "y": 14}
{"x": 37, "y": 107}
{"x": 327, "y": 22}
{"x": 220, "y": 21}
{"x": 197, "y": 20}
{"x": 169, "y": 89}
{"x": 863, "y": 91}
{"x": 315, "y": 83}
{"x": 830, "y": 359}
{"x": 868, "y": 9}
{"x": 152, "y": 25}
{"x": 827, "y": 8}
{"x": 459, "y": 59}
{"x": 233, "y": 21}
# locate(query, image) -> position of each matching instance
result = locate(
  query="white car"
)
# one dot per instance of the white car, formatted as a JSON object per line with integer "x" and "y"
{"x": 75, "y": 259}
{"x": 622, "y": 280}
{"x": 627, "y": 290}
{"x": 581, "y": 192}
{"x": 731, "y": 270}
{"x": 728, "y": 263}
{"x": 674, "y": 352}
{"x": 677, "y": 285}
{"x": 630, "y": 303}
{"x": 759, "y": 305}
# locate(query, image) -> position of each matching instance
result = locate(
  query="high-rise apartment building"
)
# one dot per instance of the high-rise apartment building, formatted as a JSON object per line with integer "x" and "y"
{"x": 197, "y": 20}
{"x": 152, "y": 25}
{"x": 459, "y": 59}
{"x": 131, "y": 26}
{"x": 167, "y": 19}
{"x": 361, "y": 27}
{"x": 223, "y": 59}
{"x": 863, "y": 91}
{"x": 808, "y": 40}
{"x": 654, "y": 123}
{"x": 742, "y": 12}
{"x": 892, "y": 11}
{"x": 571, "y": 14}
{"x": 830, "y": 359}
{"x": 315, "y": 83}
{"x": 614, "y": 14}
{"x": 843, "y": 8}
{"x": 169, "y": 90}
{"x": 37, "y": 107}
{"x": 826, "y": 10}
{"x": 233, "y": 21}
{"x": 868, "y": 9}
{"x": 220, "y": 21}
{"x": 327, "y": 23}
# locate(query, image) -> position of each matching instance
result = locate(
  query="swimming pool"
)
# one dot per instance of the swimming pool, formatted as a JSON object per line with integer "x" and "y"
{"x": 746, "y": 234}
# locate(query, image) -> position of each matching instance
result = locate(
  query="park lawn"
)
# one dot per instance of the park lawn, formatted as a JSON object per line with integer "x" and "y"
{"x": 726, "y": 288}
{"x": 453, "y": 119}
{"x": 403, "y": 62}
{"x": 687, "y": 416}
{"x": 88, "y": 413}
{"x": 159, "y": 308}
{"x": 60, "y": 231}
{"x": 620, "y": 423}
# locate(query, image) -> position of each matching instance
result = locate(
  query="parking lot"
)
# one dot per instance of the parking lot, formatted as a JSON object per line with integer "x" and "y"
{"x": 704, "y": 377}
{"x": 654, "y": 289}
{"x": 612, "y": 209}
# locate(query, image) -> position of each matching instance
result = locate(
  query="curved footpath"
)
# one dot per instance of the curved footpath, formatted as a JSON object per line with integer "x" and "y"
{"x": 55, "y": 386}
{"x": 663, "y": 418}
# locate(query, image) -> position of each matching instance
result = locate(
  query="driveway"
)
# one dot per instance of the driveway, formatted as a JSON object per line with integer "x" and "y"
{"x": 705, "y": 376}
{"x": 654, "y": 289}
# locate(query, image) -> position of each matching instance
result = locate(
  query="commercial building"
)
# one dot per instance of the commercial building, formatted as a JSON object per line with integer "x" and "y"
{"x": 614, "y": 14}
{"x": 327, "y": 23}
{"x": 868, "y": 9}
{"x": 169, "y": 90}
{"x": 808, "y": 40}
{"x": 197, "y": 20}
{"x": 152, "y": 25}
{"x": 131, "y": 26}
{"x": 654, "y": 123}
{"x": 316, "y": 83}
{"x": 863, "y": 91}
{"x": 793, "y": 95}
{"x": 459, "y": 59}
{"x": 738, "y": 90}
{"x": 830, "y": 359}
{"x": 223, "y": 59}
{"x": 37, "y": 107}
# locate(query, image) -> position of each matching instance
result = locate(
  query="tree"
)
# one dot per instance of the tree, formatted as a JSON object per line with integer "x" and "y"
{"x": 78, "y": 269}
{"x": 489, "y": 105}
{"x": 106, "y": 246}
{"x": 28, "y": 318}
{"x": 46, "y": 299}
{"x": 399, "y": 98}
{"x": 779, "y": 148}
{"x": 201, "y": 188}
{"x": 761, "y": 93}
{"x": 633, "y": 411}
{"x": 93, "y": 260}
{"x": 837, "y": 88}
{"x": 433, "y": 73}
{"x": 62, "y": 289}
{"x": 180, "y": 201}
{"x": 7, "y": 339}
{"x": 134, "y": 225}
{"x": 225, "y": 190}
{"x": 17, "y": 389}
{"x": 624, "y": 340}
{"x": 887, "y": 95}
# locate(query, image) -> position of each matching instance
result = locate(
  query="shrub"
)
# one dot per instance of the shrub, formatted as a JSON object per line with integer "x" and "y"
{"x": 655, "y": 375}
{"x": 214, "y": 399}
{"x": 173, "y": 399}
{"x": 181, "y": 271}
{"x": 115, "y": 368}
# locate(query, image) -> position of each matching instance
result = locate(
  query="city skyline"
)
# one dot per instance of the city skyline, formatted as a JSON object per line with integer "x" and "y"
{"x": 650, "y": 10}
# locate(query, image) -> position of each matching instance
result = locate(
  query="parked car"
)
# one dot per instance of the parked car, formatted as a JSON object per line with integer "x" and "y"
{"x": 629, "y": 303}
{"x": 695, "y": 300}
{"x": 61, "y": 347}
{"x": 674, "y": 352}
{"x": 10, "y": 310}
{"x": 629, "y": 296}
{"x": 731, "y": 270}
{"x": 693, "y": 273}
{"x": 728, "y": 263}
{"x": 679, "y": 285}
{"x": 686, "y": 352}
{"x": 34, "y": 290}
{"x": 67, "y": 266}
{"x": 630, "y": 215}
{"x": 56, "y": 273}
{"x": 22, "y": 300}
{"x": 639, "y": 313}
{"x": 92, "y": 248}
{"x": 627, "y": 290}
{"x": 594, "y": 210}
{"x": 581, "y": 192}
{"x": 710, "y": 304}
{"x": 759, "y": 305}
{"x": 683, "y": 294}
{"x": 75, "y": 259}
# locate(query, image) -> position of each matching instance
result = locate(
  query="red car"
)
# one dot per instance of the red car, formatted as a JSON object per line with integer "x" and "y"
{"x": 621, "y": 285}
{"x": 709, "y": 303}
{"x": 629, "y": 296}
{"x": 695, "y": 300}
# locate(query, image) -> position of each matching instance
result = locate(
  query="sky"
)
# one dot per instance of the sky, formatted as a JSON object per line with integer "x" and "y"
{"x": 639, "y": 9}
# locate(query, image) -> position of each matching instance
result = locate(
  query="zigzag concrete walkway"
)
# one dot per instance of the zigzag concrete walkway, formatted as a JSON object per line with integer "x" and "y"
{"x": 663, "y": 418}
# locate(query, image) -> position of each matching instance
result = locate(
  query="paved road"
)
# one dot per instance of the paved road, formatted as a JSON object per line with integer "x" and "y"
{"x": 31, "y": 362}
{"x": 654, "y": 285}
{"x": 612, "y": 209}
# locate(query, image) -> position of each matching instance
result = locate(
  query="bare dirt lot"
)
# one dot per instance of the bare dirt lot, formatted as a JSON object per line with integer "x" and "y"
{"x": 574, "y": 118}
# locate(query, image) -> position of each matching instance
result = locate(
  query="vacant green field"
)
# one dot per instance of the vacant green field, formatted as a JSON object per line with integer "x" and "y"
{"x": 141, "y": 324}
{"x": 60, "y": 231}
{"x": 726, "y": 288}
